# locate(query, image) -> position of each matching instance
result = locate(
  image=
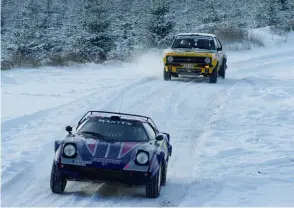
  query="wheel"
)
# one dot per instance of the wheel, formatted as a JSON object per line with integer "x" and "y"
{"x": 154, "y": 185}
{"x": 222, "y": 70}
{"x": 175, "y": 75}
{"x": 166, "y": 75}
{"x": 164, "y": 172}
{"x": 213, "y": 76}
{"x": 57, "y": 181}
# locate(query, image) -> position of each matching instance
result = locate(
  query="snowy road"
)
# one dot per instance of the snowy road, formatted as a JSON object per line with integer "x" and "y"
{"x": 232, "y": 141}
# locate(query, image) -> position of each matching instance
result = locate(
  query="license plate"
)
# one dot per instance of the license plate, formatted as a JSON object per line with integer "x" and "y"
{"x": 179, "y": 70}
{"x": 189, "y": 66}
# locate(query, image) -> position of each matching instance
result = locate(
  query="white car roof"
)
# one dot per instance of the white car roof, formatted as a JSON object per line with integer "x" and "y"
{"x": 204, "y": 34}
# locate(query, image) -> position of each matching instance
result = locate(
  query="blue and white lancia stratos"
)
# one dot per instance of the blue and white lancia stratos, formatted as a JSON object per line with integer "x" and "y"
{"x": 116, "y": 148}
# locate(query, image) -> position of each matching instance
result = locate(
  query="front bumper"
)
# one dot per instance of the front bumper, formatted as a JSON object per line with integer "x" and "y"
{"x": 81, "y": 173}
{"x": 196, "y": 69}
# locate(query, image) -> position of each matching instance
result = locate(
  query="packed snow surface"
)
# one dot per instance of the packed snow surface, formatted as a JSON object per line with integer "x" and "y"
{"x": 232, "y": 141}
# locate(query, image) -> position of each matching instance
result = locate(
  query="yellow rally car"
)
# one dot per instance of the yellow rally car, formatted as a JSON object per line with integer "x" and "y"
{"x": 195, "y": 54}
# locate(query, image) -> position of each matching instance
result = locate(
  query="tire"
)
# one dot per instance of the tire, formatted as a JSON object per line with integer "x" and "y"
{"x": 222, "y": 70}
{"x": 164, "y": 172}
{"x": 213, "y": 76}
{"x": 153, "y": 187}
{"x": 57, "y": 181}
{"x": 175, "y": 75}
{"x": 166, "y": 75}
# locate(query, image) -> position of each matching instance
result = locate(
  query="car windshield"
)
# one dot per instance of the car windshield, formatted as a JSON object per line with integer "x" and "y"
{"x": 107, "y": 129}
{"x": 194, "y": 41}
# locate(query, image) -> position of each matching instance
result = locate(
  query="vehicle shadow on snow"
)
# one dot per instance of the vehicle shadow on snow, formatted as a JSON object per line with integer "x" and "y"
{"x": 201, "y": 79}
{"x": 171, "y": 194}
{"x": 198, "y": 79}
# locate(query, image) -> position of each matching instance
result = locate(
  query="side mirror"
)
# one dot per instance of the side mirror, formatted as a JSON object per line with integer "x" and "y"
{"x": 68, "y": 129}
{"x": 168, "y": 136}
{"x": 159, "y": 137}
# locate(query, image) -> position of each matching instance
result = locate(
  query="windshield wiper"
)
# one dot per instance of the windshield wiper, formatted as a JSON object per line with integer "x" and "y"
{"x": 94, "y": 134}
{"x": 98, "y": 135}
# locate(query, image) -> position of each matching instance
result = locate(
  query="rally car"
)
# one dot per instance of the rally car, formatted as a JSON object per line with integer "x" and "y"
{"x": 114, "y": 148}
{"x": 195, "y": 54}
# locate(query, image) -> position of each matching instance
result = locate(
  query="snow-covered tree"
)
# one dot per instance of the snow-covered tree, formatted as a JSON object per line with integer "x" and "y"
{"x": 159, "y": 25}
{"x": 53, "y": 31}
{"x": 95, "y": 41}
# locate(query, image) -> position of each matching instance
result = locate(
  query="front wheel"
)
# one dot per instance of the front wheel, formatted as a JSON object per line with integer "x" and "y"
{"x": 164, "y": 172}
{"x": 166, "y": 75}
{"x": 175, "y": 75}
{"x": 213, "y": 76}
{"x": 222, "y": 70}
{"x": 154, "y": 185}
{"x": 57, "y": 181}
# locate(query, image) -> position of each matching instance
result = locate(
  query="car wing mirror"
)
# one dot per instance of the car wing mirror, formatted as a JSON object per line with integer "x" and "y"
{"x": 159, "y": 137}
{"x": 168, "y": 136}
{"x": 68, "y": 129}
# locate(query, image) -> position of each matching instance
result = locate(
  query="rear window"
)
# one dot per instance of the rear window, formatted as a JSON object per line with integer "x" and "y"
{"x": 122, "y": 130}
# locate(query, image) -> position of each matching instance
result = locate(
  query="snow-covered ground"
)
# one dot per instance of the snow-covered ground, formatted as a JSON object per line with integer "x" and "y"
{"x": 232, "y": 141}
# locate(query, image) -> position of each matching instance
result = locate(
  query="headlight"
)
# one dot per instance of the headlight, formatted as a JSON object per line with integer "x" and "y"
{"x": 142, "y": 158}
{"x": 69, "y": 150}
{"x": 170, "y": 59}
{"x": 214, "y": 57}
{"x": 207, "y": 60}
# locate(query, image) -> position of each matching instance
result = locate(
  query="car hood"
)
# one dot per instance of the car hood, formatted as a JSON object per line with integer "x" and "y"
{"x": 187, "y": 51}
{"x": 95, "y": 152}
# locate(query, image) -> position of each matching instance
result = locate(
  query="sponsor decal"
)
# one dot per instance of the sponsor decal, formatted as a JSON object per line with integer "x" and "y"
{"x": 105, "y": 161}
{"x": 195, "y": 37}
{"x": 203, "y": 38}
{"x": 107, "y": 151}
{"x": 115, "y": 122}
{"x": 87, "y": 162}
{"x": 125, "y": 148}
{"x": 110, "y": 152}
{"x": 92, "y": 144}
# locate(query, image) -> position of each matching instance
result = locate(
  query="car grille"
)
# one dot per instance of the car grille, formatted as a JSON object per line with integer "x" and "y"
{"x": 91, "y": 171}
{"x": 188, "y": 59}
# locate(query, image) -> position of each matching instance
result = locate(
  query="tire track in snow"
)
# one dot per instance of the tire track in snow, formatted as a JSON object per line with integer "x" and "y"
{"x": 254, "y": 64}
{"x": 264, "y": 57}
{"x": 199, "y": 120}
{"x": 203, "y": 190}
